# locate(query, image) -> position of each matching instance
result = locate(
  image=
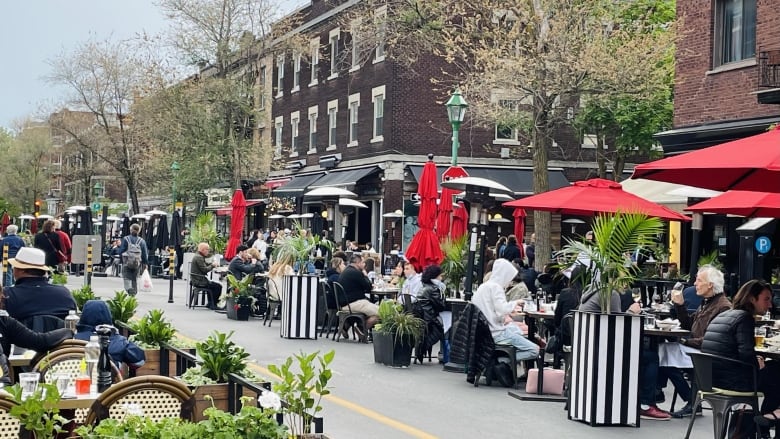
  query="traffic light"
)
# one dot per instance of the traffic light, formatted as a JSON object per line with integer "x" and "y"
{"x": 37, "y": 212}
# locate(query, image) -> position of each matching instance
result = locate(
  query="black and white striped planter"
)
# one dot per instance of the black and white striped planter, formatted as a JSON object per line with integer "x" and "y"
{"x": 299, "y": 307}
{"x": 605, "y": 369}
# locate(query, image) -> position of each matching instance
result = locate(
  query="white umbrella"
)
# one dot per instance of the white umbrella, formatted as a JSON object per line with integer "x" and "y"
{"x": 156, "y": 212}
{"x": 349, "y": 202}
{"x": 26, "y": 217}
{"x": 140, "y": 216}
{"x": 276, "y": 216}
{"x": 77, "y": 208}
{"x": 307, "y": 215}
{"x": 293, "y": 216}
{"x": 45, "y": 216}
{"x": 475, "y": 182}
{"x": 113, "y": 218}
{"x": 329, "y": 192}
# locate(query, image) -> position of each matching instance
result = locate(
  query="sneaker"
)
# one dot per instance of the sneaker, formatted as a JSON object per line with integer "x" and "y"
{"x": 654, "y": 413}
{"x": 686, "y": 412}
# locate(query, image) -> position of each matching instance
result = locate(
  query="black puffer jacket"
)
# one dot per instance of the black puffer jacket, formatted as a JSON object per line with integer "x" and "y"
{"x": 14, "y": 332}
{"x": 427, "y": 307}
{"x": 472, "y": 342}
{"x": 730, "y": 334}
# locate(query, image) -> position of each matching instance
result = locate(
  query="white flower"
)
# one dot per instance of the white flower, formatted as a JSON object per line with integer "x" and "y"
{"x": 269, "y": 400}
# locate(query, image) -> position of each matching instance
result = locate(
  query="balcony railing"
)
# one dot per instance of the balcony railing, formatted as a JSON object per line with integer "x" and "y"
{"x": 769, "y": 68}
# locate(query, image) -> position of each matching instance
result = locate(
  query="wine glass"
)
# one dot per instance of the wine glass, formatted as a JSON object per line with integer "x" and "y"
{"x": 636, "y": 294}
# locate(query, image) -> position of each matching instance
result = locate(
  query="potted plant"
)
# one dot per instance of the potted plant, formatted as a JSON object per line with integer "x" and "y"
{"x": 204, "y": 230}
{"x": 82, "y": 295}
{"x": 606, "y": 272}
{"x": 59, "y": 278}
{"x": 122, "y": 306}
{"x": 301, "y": 388}
{"x": 396, "y": 335}
{"x": 453, "y": 266}
{"x": 219, "y": 356}
{"x": 38, "y": 414}
{"x": 150, "y": 331}
{"x": 239, "y": 297}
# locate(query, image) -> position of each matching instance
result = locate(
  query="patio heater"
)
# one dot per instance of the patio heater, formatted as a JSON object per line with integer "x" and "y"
{"x": 479, "y": 195}
{"x": 393, "y": 217}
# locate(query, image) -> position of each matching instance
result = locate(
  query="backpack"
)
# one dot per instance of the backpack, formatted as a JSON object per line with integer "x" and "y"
{"x": 131, "y": 258}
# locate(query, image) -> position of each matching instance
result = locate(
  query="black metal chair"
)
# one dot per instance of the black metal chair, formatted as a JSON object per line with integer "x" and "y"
{"x": 406, "y": 302}
{"x": 347, "y": 316}
{"x": 198, "y": 296}
{"x": 331, "y": 314}
{"x": 721, "y": 400}
{"x": 273, "y": 304}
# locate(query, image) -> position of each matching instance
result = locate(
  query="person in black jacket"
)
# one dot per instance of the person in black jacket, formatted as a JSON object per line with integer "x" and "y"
{"x": 512, "y": 251}
{"x": 49, "y": 241}
{"x": 33, "y": 295}
{"x": 428, "y": 305}
{"x": 241, "y": 264}
{"x": 356, "y": 286}
{"x": 14, "y": 332}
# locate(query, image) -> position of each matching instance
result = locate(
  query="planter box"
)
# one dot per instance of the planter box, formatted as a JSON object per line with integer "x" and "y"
{"x": 391, "y": 353}
{"x": 152, "y": 364}
{"x": 219, "y": 393}
{"x": 242, "y": 313}
{"x": 605, "y": 369}
{"x": 299, "y": 306}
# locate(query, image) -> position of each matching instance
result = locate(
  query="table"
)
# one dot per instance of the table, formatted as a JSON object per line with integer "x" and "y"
{"x": 389, "y": 293}
{"x": 532, "y": 317}
{"x": 73, "y": 402}
{"x": 665, "y": 333}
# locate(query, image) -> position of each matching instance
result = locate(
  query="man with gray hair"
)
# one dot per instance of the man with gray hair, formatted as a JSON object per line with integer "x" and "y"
{"x": 14, "y": 243}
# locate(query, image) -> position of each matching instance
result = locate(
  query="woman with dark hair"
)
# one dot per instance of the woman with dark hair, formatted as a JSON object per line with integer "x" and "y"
{"x": 512, "y": 251}
{"x": 430, "y": 302}
{"x": 500, "y": 247}
{"x": 49, "y": 241}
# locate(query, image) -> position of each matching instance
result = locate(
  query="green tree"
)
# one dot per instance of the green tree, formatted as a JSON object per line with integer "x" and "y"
{"x": 26, "y": 176}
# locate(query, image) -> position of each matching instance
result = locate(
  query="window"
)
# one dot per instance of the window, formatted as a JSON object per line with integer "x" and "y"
{"x": 280, "y": 76}
{"x": 278, "y": 125}
{"x": 356, "y": 45}
{"x": 315, "y": 61}
{"x": 261, "y": 80}
{"x": 295, "y": 118}
{"x": 735, "y": 31}
{"x": 381, "y": 24}
{"x": 296, "y": 72}
{"x": 354, "y": 104}
{"x": 506, "y": 131}
{"x": 333, "y": 110}
{"x": 591, "y": 141}
{"x": 334, "y": 53}
{"x": 312, "y": 130}
{"x": 378, "y": 99}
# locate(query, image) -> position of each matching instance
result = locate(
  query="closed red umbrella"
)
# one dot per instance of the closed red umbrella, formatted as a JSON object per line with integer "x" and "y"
{"x": 748, "y": 164}
{"x": 6, "y": 220}
{"x": 445, "y": 202}
{"x": 424, "y": 248}
{"x": 519, "y": 215}
{"x": 743, "y": 203}
{"x": 237, "y": 214}
{"x": 593, "y": 196}
{"x": 460, "y": 221}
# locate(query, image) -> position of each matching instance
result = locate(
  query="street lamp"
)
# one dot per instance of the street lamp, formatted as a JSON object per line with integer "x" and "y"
{"x": 393, "y": 216}
{"x": 175, "y": 168}
{"x": 456, "y": 112}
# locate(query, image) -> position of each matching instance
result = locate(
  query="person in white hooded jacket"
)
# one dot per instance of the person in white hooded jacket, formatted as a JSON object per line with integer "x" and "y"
{"x": 490, "y": 298}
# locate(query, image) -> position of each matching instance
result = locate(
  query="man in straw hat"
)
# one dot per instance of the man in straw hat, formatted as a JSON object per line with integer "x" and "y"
{"x": 33, "y": 295}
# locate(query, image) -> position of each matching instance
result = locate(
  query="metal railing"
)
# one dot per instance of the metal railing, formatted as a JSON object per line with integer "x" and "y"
{"x": 769, "y": 68}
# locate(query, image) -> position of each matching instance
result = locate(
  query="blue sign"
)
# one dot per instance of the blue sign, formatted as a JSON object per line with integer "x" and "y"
{"x": 763, "y": 244}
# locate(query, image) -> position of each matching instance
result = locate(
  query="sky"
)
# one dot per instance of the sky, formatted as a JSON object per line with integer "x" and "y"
{"x": 34, "y": 31}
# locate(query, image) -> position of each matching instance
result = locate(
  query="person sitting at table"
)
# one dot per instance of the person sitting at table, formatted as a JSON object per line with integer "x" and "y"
{"x": 120, "y": 349}
{"x": 430, "y": 302}
{"x": 334, "y": 271}
{"x": 356, "y": 288}
{"x": 490, "y": 298}
{"x": 412, "y": 282}
{"x": 255, "y": 255}
{"x": 674, "y": 359}
{"x": 370, "y": 270}
{"x": 242, "y": 264}
{"x": 397, "y": 273}
{"x": 199, "y": 269}
{"x": 283, "y": 266}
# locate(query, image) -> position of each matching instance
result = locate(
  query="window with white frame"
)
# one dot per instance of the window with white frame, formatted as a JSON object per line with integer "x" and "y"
{"x": 506, "y": 130}
{"x": 356, "y": 44}
{"x": 378, "y": 101}
{"x": 380, "y": 18}
{"x": 333, "y": 111}
{"x": 333, "y": 41}
{"x": 278, "y": 126}
{"x": 280, "y": 76}
{"x": 591, "y": 141}
{"x": 261, "y": 80}
{"x": 354, "y": 104}
{"x": 313, "y": 113}
{"x": 295, "y": 118}
{"x": 735, "y": 31}
{"x": 314, "y": 46}
{"x": 296, "y": 72}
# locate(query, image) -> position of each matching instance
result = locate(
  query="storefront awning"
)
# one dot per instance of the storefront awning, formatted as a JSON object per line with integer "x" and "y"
{"x": 346, "y": 177}
{"x": 685, "y": 139}
{"x": 519, "y": 180}
{"x": 273, "y": 184}
{"x": 298, "y": 185}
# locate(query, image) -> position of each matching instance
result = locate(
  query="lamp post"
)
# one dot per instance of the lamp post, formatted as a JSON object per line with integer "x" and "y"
{"x": 456, "y": 112}
{"x": 175, "y": 168}
{"x": 393, "y": 216}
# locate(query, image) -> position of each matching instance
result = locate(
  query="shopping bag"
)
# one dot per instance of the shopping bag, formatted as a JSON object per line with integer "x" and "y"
{"x": 146, "y": 282}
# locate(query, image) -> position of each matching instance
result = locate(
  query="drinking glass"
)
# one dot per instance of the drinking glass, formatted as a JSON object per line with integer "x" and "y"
{"x": 28, "y": 381}
{"x": 62, "y": 381}
{"x": 636, "y": 294}
{"x": 760, "y": 334}
{"x": 649, "y": 321}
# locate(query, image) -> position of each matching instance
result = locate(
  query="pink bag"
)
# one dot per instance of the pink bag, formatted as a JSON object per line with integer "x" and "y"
{"x": 553, "y": 381}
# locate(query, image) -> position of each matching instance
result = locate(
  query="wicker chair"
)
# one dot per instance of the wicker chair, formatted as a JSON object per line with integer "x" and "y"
{"x": 10, "y": 426}
{"x": 67, "y": 360}
{"x": 159, "y": 397}
{"x": 69, "y": 343}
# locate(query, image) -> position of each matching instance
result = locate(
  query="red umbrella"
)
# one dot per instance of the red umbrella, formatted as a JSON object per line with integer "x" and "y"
{"x": 445, "y": 202}
{"x": 424, "y": 249}
{"x": 460, "y": 221}
{"x": 592, "y": 196}
{"x": 519, "y": 215}
{"x": 4, "y": 222}
{"x": 743, "y": 203}
{"x": 236, "y": 223}
{"x": 749, "y": 164}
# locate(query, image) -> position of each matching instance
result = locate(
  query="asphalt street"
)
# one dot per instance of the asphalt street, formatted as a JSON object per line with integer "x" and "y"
{"x": 371, "y": 400}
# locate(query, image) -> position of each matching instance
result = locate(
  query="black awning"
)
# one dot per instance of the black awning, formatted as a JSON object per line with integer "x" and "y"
{"x": 685, "y": 139}
{"x": 520, "y": 181}
{"x": 298, "y": 185}
{"x": 346, "y": 177}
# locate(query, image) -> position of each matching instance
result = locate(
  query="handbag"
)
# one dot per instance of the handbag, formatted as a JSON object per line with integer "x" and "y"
{"x": 553, "y": 344}
{"x": 61, "y": 257}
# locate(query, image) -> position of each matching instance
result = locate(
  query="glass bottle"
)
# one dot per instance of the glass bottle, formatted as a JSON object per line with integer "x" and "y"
{"x": 91, "y": 355}
{"x": 71, "y": 321}
{"x": 104, "y": 378}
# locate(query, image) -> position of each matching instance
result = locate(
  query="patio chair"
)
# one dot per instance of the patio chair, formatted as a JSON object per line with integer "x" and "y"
{"x": 198, "y": 296}
{"x": 331, "y": 314}
{"x": 10, "y": 426}
{"x": 159, "y": 398}
{"x": 272, "y": 305}
{"x": 347, "y": 318}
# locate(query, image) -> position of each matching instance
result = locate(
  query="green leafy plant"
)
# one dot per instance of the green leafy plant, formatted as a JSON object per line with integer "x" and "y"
{"x": 82, "y": 295}
{"x": 614, "y": 236}
{"x": 250, "y": 422}
{"x": 453, "y": 266}
{"x": 59, "y": 278}
{"x": 221, "y": 356}
{"x": 205, "y": 230}
{"x": 153, "y": 329}
{"x": 711, "y": 258}
{"x": 402, "y": 326}
{"x": 122, "y": 306}
{"x": 302, "y": 392}
{"x": 296, "y": 249}
{"x": 240, "y": 290}
{"x": 38, "y": 413}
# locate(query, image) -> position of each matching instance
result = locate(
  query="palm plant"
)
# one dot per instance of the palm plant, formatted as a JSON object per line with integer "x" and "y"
{"x": 298, "y": 249}
{"x": 453, "y": 266}
{"x": 615, "y": 237}
{"x": 204, "y": 230}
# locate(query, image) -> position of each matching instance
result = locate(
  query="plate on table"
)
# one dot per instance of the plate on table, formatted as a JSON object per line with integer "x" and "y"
{"x": 667, "y": 324}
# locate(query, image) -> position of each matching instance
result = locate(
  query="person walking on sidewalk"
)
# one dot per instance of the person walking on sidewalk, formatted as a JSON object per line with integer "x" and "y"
{"x": 134, "y": 259}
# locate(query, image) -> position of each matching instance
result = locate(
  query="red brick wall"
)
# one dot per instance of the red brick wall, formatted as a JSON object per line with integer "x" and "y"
{"x": 701, "y": 97}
